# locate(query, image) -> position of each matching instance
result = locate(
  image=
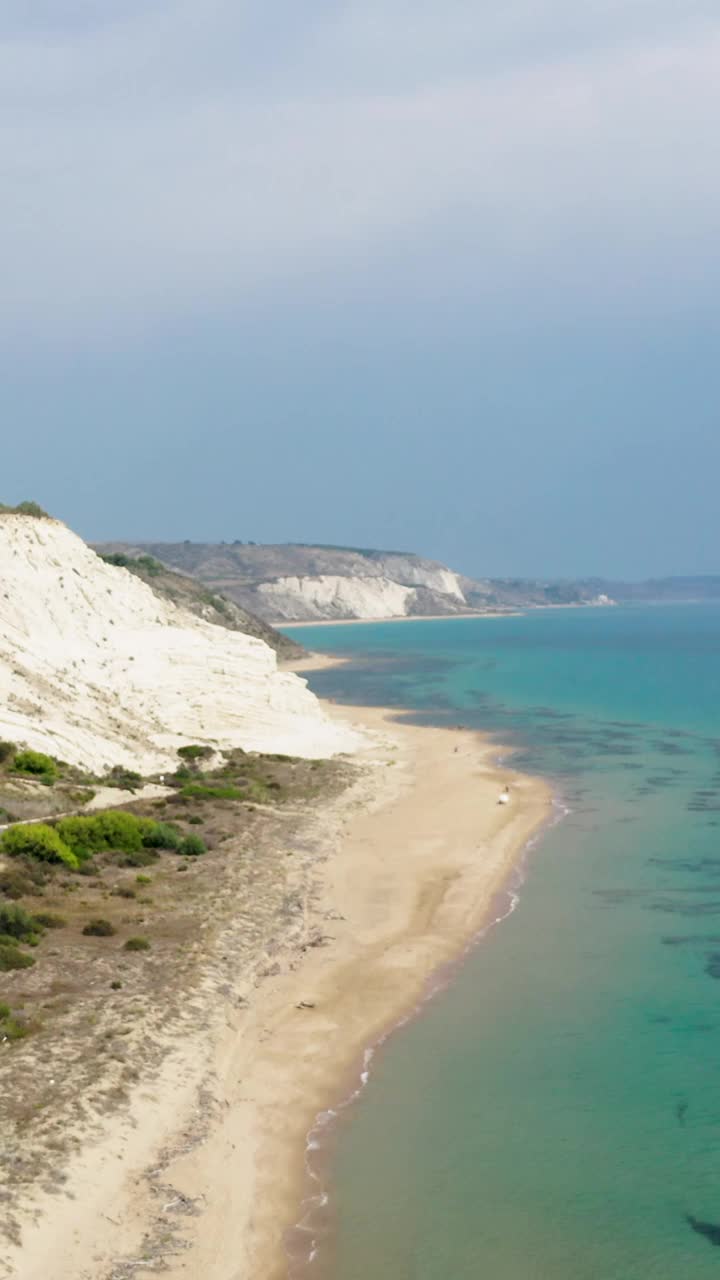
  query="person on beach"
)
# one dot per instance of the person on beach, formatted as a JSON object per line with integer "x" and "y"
{"x": 504, "y": 797}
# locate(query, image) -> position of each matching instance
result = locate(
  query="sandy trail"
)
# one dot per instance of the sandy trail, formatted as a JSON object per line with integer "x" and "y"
{"x": 411, "y": 860}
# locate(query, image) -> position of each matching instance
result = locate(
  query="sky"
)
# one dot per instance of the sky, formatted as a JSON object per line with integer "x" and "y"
{"x": 432, "y": 277}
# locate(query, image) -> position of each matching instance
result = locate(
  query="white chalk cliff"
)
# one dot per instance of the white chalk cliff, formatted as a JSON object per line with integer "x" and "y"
{"x": 335, "y": 596}
{"x": 330, "y": 596}
{"x": 97, "y": 670}
{"x": 302, "y": 582}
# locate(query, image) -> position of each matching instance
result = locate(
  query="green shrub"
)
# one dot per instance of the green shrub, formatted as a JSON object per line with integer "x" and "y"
{"x": 120, "y": 830}
{"x": 37, "y": 765}
{"x": 137, "y": 944}
{"x": 143, "y": 879}
{"x": 48, "y": 920}
{"x": 137, "y": 858}
{"x": 125, "y": 779}
{"x": 17, "y": 923}
{"x": 39, "y": 841}
{"x": 80, "y": 795}
{"x": 7, "y": 751}
{"x": 191, "y": 846}
{"x": 116, "y": 985}
{"x": 201, "y": 791}
{"x": 82, "y": 835}
{"x": 196, "y": 820}
{"x": 194, "y": 752}
{"x": 24, "y": 509}
{"x": 13, "y": 884}
{"x": 14, "y": 1030}
{"x": 137, "y": 564}
{"x": 161, "y": 835}
{"x": 112, "y": 829}
{"x": 124, "y": 891}
{"x": 10, "y": 1027}
{"x": 11, "y": 957}
{"x": 118, "y": 558}
{"x": 99, "y": 929}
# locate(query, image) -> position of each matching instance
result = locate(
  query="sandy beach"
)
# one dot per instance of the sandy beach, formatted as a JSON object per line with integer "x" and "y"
{"x": 283, "y": 623}
{"x": 207, "y": 1170}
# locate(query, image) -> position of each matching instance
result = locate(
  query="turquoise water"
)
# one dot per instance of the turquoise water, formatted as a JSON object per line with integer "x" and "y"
{"x": 555, "y": 1113}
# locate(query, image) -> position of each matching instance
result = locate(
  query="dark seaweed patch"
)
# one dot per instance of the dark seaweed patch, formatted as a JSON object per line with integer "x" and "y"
{"x": 611, "y": 897}
{"x": 670, "y": 749}
{"x": 712, "y": 967}
{"x": 685, "y": 908}
{"x": 681, "y": 1112}
{"x": 711, "y": 1230}
{"x": 708, "y": 866}
{"x": 685, "y": 939}
{"x": 626, "y": 724}
{"x": 698, "y": 888}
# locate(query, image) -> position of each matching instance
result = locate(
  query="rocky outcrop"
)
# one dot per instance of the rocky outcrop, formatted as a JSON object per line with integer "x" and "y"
{"x": 97, "y": 670}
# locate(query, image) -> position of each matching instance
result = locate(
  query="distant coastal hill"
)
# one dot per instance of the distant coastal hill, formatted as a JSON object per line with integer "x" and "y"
{"x": 295, "y": 582}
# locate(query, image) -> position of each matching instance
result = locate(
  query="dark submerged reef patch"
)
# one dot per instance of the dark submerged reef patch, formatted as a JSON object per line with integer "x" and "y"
{"x": 711, "y": 1230}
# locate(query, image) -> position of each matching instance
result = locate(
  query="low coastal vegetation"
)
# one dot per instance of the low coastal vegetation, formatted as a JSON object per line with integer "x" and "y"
{"x": 125, "y": 914}
{"x": 110, "y": 950}
{"x": 24, "y": 509}
{"x": 110, "y": 919}
{"x": 144, "y": 566}
{"x": 34, "y": 784}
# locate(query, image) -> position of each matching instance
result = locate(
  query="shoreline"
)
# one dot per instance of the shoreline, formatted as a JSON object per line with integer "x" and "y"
{"x": 385, "y": 930}
{"x": 283, "y": 623}
{"x": 305, "y": 1239}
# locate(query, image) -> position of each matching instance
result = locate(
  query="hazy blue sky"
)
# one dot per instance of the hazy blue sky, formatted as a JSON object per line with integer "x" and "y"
{"x": 441, "y": 277}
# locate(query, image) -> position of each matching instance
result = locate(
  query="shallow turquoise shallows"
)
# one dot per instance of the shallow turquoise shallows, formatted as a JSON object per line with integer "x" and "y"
{"x": 555, "y": 1113}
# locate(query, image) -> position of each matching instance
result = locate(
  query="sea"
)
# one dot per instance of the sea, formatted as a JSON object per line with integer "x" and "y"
{"x": 553, "y": 1113}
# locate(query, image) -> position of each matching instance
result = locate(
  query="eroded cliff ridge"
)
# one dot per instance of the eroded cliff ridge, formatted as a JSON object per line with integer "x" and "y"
{"x": 98, "y": 670}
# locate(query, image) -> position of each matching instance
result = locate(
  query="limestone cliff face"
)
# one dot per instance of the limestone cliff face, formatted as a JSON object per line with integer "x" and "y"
{"x": 97, "y": 670}
{"x": 413, "y": 572}
{"x": 294, "y": 582}
{"x": 286, "y": 582}
{"x": 330, "y": 596}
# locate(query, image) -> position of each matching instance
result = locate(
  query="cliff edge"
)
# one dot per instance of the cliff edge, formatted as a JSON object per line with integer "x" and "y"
{"x": 99, "y": 671}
